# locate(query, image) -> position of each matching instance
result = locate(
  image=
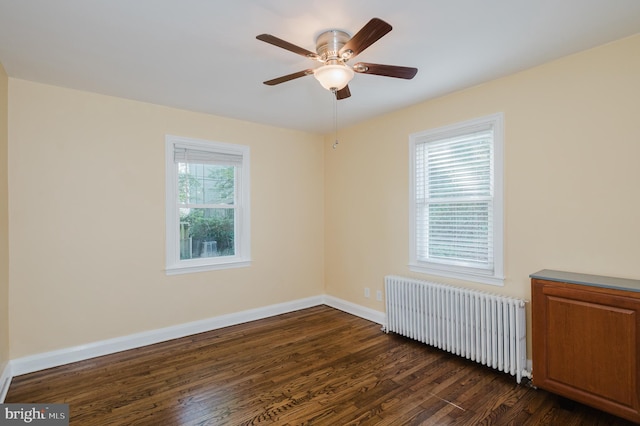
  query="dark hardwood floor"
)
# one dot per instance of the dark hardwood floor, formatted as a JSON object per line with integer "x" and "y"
{"x": 318, "y": 366}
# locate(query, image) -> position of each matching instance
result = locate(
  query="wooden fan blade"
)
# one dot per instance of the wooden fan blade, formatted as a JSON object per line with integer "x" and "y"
{"x": 343, "y": 93}
{"x": 385, "y": 70}
{"x": 369, "y": 34}
{"x": 289, "y": 77}
{"x": 268, "y": 38}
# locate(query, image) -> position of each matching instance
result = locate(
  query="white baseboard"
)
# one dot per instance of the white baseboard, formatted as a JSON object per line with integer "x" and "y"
{"x": 45, "y": 360}
{"x": 55, "y": 358}
{"x": 50, "y": 359}
{"x": 357, "y": 310}
{"x": 5, "y": 380}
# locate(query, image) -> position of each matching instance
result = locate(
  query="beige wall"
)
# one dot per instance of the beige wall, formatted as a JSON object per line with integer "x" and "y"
{"x": 86, "y": 199}
{"x": 87, "y": 211}
{"x": 4, "y": 222}
{"x": 572, "y": 176}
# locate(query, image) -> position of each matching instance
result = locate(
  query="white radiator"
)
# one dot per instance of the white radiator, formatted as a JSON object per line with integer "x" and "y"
{"x": 483, "y": 327}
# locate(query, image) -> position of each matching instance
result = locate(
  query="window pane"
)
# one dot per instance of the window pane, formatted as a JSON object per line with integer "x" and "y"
{"x": 206, "y": 183}
{"x": 460, "y": 232}
{"x": 206, "y": 233}
{"x": 461, "y": 169}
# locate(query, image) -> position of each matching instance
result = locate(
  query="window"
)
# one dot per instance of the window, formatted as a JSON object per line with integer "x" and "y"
{"x": 207, "y": 197}
{"x": 456, "y": 201}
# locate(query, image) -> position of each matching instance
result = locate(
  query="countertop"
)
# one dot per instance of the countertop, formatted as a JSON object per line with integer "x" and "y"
{"x": 586, "y": 279}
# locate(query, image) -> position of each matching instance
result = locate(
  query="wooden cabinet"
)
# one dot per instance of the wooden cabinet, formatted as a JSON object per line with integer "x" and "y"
{"x": 586, "y": 337}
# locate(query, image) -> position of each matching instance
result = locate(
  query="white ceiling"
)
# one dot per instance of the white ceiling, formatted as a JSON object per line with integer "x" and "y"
{"x": 202, "y": 55}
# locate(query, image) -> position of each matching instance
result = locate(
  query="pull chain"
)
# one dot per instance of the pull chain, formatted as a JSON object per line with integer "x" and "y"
{"x": 335, "y": 118}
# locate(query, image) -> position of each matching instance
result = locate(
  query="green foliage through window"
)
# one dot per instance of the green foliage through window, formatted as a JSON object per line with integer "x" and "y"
{"x": 207, "y": 213}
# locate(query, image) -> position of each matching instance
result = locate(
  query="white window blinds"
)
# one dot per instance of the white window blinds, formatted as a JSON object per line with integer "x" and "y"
{"x": 182, "y": 154}
{"x": 454, "y": 199}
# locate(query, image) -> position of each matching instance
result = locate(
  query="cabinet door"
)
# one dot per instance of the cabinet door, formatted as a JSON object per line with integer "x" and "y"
{"x": 585, "y": 345}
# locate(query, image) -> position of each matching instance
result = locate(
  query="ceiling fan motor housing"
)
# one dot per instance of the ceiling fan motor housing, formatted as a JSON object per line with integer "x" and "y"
{"x": 328, "y": 45}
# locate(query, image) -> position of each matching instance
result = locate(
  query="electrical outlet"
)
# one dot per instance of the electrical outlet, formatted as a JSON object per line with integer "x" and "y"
{"x": 379, "y": 295}
{"x": 367, "y": 292}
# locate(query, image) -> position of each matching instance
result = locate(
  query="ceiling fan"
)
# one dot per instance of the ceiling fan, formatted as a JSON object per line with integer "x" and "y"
{"x": 333, "y": 49}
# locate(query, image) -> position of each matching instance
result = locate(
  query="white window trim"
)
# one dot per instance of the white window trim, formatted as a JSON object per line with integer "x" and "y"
{"x": 496, "y": 276}
{"x": 242, "y": 258}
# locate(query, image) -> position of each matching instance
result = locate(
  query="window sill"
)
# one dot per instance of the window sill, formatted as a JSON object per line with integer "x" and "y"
{"x": 466, "y": 275}
{"x": 188, "y": 269}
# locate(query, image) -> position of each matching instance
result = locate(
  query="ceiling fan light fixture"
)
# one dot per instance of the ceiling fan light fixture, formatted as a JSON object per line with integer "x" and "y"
{"x": 333, "y": 77}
